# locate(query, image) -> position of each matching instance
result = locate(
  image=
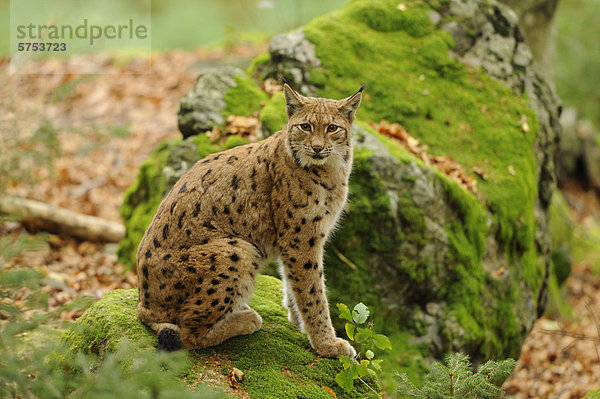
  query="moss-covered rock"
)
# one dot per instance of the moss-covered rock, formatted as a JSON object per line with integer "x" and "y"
{"x": 444, "y": 269}
{"x": 218, "y": 93}
{"x": 277, "y": 361}
{"x": 456, "y": 111}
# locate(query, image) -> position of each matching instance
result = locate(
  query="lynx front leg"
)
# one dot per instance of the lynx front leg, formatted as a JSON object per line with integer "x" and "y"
{"x": 288, "y": 301}
{"x": 304, "y": 274}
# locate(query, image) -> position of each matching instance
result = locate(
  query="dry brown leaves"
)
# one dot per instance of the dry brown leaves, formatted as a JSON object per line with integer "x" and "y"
{"x": 97, "y": 164}
{"x": 244, "y": 126}
{"x": 444, "y": 163}
{"x": 271, "y": 86}
{"x": 557, "y": 365}
{"x": 72, "y": 269}
{"x": 235, "y": 376}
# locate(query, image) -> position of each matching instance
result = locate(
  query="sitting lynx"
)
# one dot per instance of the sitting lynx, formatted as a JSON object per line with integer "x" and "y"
{"x": 234, "y": 211}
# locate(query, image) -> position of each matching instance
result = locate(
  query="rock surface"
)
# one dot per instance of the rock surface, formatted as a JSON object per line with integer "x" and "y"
{"x": 539, "y": 30}
{"x": 201, "y": 109}
{"x": 276, "y": 361}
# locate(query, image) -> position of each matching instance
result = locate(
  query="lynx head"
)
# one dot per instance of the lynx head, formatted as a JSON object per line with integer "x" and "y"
{"x": 318, "y": 129}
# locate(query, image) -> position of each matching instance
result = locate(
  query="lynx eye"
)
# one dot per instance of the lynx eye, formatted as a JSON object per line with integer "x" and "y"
{"x": 331, "y": 128}
{"x": 305, "y": 127}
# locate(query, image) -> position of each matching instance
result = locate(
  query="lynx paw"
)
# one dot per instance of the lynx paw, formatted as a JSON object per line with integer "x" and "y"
{"x": 336, "y": 348}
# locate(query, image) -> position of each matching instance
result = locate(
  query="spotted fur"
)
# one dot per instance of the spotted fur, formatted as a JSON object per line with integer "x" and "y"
{"x": 236, "y": 210}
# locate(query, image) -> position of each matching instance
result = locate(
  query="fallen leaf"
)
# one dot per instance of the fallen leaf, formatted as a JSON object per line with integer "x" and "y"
{"x": 524, "y": 125}
{"x": 272, "y": 86}
{"x": 499, "y": 273}
{"x": 244, "y": 126}
{"x": 330, "y": 391}
{"x": 444, "y": 163}
{"x": 402, "y": 7}
{"x": 511, "y": 170}
{"x": 235, "y": 376}
{"x": 550, "y": 325}
{"x": 480, "y": 172}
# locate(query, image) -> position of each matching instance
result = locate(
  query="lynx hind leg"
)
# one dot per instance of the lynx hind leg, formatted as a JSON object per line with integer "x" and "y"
{"x": 243, "y": 321}
{"x": 217, "y": 308}
{"x": 288, "y": 301}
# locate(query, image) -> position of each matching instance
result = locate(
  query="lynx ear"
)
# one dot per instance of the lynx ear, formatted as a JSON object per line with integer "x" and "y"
{"x": 293, "y": 100}
{"x": 349, "y": 105}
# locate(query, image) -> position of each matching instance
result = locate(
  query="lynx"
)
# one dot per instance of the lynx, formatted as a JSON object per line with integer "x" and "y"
{"x": 234, "y": 211}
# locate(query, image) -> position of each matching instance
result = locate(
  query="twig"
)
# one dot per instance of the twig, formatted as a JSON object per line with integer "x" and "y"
{"x": 596, "y": 323}
{"x": 577, "y": 336}
{"x": 345, "y": 260}
{"x": 85, "y": 188}
{"x": 56, "y": 219}
{"x": 374, "y": 391}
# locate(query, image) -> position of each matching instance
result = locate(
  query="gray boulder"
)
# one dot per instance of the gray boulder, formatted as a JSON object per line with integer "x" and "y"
{"x": 201, "y": 109}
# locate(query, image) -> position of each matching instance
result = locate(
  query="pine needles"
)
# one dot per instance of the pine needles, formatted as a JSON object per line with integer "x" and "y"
{"x": 455, "y": 379}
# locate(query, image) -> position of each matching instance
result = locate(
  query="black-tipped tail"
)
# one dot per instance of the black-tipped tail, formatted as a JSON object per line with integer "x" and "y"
{"x": 169, "y": 340}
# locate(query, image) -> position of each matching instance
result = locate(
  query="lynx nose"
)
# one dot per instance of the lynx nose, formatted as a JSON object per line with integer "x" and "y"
{"x": 317, "y": 148}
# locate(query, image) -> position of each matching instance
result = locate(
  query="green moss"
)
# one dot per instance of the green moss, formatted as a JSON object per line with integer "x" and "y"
{"x": 245, "y": 98}
{"x": 318, "y": 77}
{"x": 385, "y": 16}
{"x": 273, "y": 113}
{"x": 595, "y": 394}
{"x": 103, "y": 326}
{"x": 403, "y": 358}
{"x": 276, "y": 360}
{"x": 234, "y": 141}
{"x": 256, "y": 62}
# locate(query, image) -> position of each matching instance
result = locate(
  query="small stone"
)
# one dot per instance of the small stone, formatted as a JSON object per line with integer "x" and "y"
{"x": 522, "y": 56}
{"x": 435, "y": 17}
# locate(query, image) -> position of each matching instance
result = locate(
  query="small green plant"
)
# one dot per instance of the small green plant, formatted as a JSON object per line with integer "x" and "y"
{"x": 362, "y": 333}
{"x": 455, "y": 380}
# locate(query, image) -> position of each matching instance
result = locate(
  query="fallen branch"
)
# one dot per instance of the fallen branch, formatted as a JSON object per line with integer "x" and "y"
{"x": 60, "y": 220}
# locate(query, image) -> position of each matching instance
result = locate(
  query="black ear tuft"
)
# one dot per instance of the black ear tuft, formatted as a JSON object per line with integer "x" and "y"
{"x": 349, "y": 105}
{"x": 169, "y": 340}
{"x": 285, "y": 81}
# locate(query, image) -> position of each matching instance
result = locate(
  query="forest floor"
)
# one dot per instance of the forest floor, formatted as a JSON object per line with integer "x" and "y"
{"x": 107, "y": 124}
